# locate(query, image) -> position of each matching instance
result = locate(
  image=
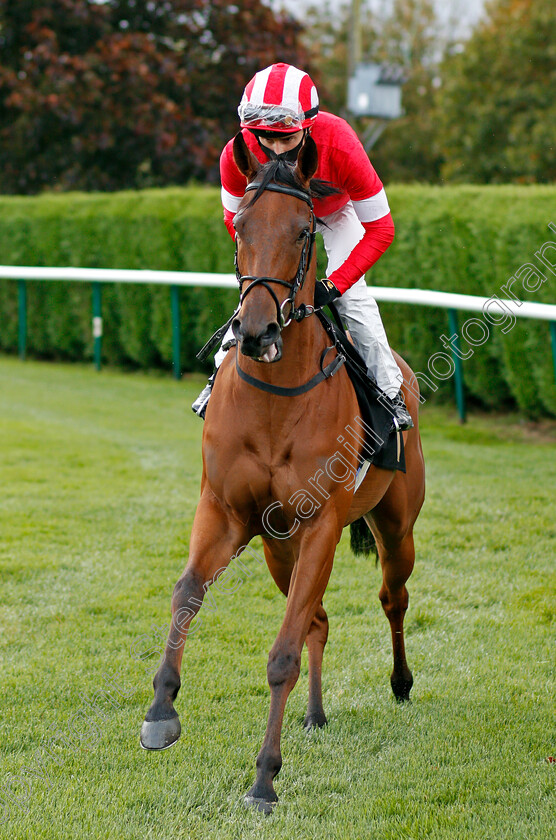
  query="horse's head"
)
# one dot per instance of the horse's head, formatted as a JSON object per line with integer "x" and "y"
{"x": 275, "y": 227}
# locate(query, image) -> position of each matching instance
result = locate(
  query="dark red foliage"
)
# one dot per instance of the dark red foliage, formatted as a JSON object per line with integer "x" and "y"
{"x": 127, "y": 93}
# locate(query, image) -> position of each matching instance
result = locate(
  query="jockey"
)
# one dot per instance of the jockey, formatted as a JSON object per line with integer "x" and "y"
{"x": 280, "y": 106}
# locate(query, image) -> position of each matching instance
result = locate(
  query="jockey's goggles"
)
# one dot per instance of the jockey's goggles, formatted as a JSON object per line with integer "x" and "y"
{"x": 271, "y": 135}
{"x": 274, "y": 117}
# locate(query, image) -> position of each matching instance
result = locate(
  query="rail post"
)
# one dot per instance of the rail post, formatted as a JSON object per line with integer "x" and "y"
{"x": 458, "y": 372}
{"x": 553, "y": 341}
{"x": 176, "y": 349}
{"x": 22, "y": 318}
{"x": 97, "y": 325}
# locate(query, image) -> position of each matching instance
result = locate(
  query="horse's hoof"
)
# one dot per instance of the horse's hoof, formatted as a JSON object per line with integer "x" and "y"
{"x": 160, "y": 734}
{"x": 316, "y": 720}
{"x": 401, "y": 686}
{"x": 262, "y": 805}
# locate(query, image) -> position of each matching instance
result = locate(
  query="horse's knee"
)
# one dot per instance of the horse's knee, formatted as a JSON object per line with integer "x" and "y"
{"x": 283, "y": 667}
{"x": 188, "y": 586}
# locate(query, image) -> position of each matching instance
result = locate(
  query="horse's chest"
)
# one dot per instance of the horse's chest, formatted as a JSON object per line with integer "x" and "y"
{"x": 248, "y": 477}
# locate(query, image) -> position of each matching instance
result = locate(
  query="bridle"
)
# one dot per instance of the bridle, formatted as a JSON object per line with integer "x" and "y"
{"x": 295, "y": 313}
{"x": 303, "y": 310}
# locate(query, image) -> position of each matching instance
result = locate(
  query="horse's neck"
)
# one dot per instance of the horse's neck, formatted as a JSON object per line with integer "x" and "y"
{"x": 303, "y": 342}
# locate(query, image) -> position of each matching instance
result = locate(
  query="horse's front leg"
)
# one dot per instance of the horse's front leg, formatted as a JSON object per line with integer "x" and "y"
{"x": 308, "y": 583}
{"x": 280, "y": 559}
{"x": 215, "y": 540}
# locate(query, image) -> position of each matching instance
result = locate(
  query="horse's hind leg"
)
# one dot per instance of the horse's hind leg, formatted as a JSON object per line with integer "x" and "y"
{"x": 316, "y": 640}
{"x": 397, "y": 559}
{"x": 214, "y": 543}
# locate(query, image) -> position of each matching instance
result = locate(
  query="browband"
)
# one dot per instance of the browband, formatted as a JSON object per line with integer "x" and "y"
{"x": 282, "y": 188}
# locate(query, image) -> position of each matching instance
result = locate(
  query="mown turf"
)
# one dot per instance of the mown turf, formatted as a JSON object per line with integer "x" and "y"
{"x": 99, "y": 480}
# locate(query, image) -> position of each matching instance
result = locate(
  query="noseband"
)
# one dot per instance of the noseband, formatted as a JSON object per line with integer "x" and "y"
{"x": 303, "y": 310}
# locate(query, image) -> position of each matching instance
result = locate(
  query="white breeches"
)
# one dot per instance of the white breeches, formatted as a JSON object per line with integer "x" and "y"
{"x": 357, "y": 307}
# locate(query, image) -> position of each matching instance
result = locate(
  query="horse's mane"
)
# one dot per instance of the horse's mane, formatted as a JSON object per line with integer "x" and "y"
{"x": 280, "y": 172}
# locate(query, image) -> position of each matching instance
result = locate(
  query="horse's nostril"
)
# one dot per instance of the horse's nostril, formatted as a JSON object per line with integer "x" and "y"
{"x": 254, "y": 342}
{"x": 236, "y": 329}
{"x": 271, "y": 334}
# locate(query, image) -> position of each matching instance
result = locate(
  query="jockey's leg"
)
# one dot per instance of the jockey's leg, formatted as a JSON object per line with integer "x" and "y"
{"x": 359, "y": 310}
{"x": 356, "y": 306}
{"x": 200, "y": 404}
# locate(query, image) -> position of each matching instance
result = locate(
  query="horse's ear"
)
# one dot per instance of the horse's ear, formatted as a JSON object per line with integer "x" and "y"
{"x": 244, "y": 158}
{"x": 307, "y": 160}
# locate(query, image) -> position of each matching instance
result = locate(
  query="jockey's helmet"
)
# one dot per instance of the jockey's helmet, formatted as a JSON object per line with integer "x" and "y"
{"x": 279, "y": 98}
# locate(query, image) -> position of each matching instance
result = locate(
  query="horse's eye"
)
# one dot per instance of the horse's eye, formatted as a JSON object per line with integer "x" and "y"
{"x": 303, "y": 235}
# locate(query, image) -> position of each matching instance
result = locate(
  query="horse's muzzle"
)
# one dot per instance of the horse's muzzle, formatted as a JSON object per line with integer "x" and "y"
{"x": 264, "y": 347}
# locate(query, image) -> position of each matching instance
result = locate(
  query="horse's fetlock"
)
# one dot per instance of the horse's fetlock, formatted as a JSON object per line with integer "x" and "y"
{"x": 168, "y": 682}
{"x": 269, "y": 761}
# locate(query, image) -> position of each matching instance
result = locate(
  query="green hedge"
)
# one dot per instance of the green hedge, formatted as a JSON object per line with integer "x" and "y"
{"x": 459, "y": 239}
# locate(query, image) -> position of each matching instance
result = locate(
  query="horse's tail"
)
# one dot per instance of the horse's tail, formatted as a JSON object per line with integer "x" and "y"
{"x": 361, "y": 539}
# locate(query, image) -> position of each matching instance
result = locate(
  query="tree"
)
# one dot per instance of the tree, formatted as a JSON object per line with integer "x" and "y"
{"x": 410, "y": 38}
{"x": 127, "y": 93}
{"x": 407, "y": 35}
{"x": 496, "y": 108}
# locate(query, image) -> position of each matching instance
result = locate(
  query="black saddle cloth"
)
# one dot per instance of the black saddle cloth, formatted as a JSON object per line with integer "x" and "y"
{"x": 383, "y": 443}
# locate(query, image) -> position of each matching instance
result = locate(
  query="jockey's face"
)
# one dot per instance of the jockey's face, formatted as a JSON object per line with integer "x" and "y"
{"x": 281, "y": 142}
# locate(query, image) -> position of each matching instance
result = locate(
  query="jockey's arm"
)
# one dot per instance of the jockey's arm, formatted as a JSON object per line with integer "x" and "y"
{"x": 229, "y": 222}
{"x": 233, "y": 186}
{"x": 355, "y": 174}
{"x": 377, "y": 237}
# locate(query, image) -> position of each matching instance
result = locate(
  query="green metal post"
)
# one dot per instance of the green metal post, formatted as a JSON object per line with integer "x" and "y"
{"x": 176, "y": 349}
{"x": 97, "y": 325}
{"x": 22, "y": 300}
{"x": 553, "y": 338}
{"x": 458, "y": 374}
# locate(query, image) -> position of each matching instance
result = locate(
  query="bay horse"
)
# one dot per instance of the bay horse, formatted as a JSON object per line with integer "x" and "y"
{"x": 272, "y": 422}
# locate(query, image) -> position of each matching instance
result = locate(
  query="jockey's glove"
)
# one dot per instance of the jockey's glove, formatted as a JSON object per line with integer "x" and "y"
{"x": 325, "y": 293}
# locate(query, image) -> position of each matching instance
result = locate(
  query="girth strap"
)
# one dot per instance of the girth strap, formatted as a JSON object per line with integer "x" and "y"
{"x": 324, "y": 373}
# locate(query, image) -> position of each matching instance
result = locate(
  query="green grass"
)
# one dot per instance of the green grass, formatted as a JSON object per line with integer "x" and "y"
{"x": 99, "y": 480}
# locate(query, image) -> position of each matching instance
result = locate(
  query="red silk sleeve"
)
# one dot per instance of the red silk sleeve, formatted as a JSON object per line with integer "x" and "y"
{"x": 376, "y": 240}
{"x": 229, "y": 222}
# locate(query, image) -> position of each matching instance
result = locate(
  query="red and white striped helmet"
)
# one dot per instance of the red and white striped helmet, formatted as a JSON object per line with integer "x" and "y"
{"x": 279, "y": 98}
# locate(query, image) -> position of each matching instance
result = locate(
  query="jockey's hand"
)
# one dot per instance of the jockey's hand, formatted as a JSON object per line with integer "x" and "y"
{"x": 325, "y": 293}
